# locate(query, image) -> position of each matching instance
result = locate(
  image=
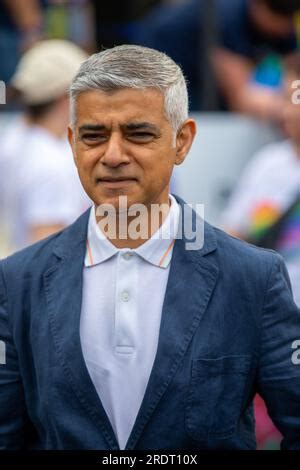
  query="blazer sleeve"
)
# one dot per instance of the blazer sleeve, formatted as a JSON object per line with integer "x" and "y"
{"x": 12, "y": 401}
{"x": 279, "y": 364}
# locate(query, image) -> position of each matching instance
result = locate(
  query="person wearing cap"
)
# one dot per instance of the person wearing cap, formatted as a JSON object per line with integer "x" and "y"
{"x": 46, "y": 194}
{"x": 148, "y": 332}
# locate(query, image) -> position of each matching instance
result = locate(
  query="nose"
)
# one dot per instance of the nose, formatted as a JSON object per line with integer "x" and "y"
{"x": 115, "y": 152}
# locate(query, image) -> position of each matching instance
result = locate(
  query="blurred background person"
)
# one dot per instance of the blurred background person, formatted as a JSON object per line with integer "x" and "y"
{"x": 40, "y": 188}
{"x": 255, "y": 36}
{"x": 265, "y": 209}
{"x": 21, "y": 23}
{"x": 72, "y": 20}
{"x": 24, "y": 22}
{"x": 230, "y": 50}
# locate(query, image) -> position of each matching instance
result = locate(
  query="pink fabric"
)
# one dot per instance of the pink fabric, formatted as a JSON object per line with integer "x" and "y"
{"x": 267, "y": 435}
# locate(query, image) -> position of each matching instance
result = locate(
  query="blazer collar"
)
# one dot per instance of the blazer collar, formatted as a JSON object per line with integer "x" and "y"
{"x": 72, "y": 237}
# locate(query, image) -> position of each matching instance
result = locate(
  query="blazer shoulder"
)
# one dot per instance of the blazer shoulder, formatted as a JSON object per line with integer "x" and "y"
{"x": 38, "y": 252}
{"x": 243, "y": 254}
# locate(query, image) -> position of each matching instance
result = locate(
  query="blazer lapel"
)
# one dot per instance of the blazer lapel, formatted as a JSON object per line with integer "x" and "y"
{"x": 63, "y": 286}
{"x": 192, "y": 279}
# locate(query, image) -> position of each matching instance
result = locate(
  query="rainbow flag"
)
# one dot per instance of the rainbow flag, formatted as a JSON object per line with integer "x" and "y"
{"x": 263, "y": 216}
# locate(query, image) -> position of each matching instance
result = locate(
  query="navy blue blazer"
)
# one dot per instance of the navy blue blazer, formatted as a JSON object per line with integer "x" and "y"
{"x": 229, "y": 329}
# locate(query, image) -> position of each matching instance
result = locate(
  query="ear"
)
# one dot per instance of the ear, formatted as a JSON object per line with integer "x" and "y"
{"x": 184, "y": 140}
{"x": 71, "y": 139}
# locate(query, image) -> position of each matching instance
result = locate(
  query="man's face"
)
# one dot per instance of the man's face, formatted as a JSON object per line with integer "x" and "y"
{"x": 123, "y": 145}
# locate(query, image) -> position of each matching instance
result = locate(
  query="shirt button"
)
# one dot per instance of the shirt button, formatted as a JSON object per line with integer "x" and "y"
{"x": 127, "y": 255}
{"x": 125, "y": 296}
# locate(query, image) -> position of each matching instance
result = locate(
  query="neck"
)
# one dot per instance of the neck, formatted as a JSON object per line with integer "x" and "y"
{"x": 128, "y": 231}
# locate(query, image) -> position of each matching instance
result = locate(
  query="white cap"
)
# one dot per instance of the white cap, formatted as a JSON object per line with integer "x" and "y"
{"x": 46, "y": 70}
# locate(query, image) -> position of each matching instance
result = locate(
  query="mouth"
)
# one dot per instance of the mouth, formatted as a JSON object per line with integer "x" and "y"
{"x": 115, "y": 182}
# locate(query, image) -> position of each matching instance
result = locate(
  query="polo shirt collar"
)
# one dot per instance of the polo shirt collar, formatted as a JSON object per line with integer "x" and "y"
{"x": 157, "y": 250}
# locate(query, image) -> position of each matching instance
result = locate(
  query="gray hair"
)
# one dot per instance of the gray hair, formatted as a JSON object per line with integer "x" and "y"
{"x": 130, "y": 66}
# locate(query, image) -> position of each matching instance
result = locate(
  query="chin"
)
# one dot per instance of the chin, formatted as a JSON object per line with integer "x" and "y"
{"x": 115, "y": 200}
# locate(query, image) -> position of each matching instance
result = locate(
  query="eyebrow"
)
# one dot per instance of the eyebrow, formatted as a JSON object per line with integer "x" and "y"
{"x": 131, "y": 126}
{"x": 135, "y": 126}
{"x": 91, "y": 127}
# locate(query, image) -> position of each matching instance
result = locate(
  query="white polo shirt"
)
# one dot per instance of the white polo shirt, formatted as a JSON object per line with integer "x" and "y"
{"x": 123, "y": 294}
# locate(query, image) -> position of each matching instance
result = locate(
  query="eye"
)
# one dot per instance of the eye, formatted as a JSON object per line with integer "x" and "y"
{"x": 93, "y": 138}
{"x": 143, "y": 136}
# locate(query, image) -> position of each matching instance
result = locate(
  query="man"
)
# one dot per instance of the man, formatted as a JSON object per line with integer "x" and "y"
{"x": 47, "y": 194}
{"x": 133, "y": 340}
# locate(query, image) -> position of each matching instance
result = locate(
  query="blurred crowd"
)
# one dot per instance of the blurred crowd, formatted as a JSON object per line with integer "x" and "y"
{"x": 232, "y": 51}
{"x": 237, "y": 55}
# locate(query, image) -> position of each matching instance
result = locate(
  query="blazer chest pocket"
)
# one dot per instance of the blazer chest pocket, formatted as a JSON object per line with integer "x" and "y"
{"x": 215, "y": 396}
